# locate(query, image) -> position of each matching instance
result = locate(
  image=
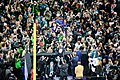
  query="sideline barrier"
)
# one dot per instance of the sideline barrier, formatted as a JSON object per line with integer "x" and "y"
{"x": 55, "y": 54}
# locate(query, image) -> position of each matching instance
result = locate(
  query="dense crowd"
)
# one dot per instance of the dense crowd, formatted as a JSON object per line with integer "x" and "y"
{"x": 63, "y": 26}
{"x": 76, "y": 26}
{"x": 16, "y": 38}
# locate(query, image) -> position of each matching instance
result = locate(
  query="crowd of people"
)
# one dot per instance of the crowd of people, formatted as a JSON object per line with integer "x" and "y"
{"x": 16, "y": 38}
{"x": 76, "y": 26}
